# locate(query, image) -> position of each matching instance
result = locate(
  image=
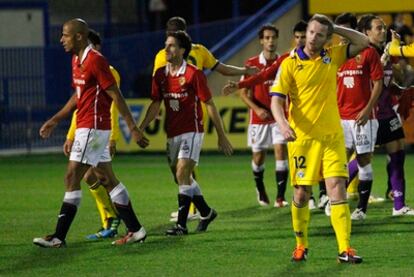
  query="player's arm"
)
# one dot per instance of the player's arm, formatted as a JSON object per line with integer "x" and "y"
{"x": 152, "y": 112}
{"x": 363, "y": 116}
{"x": 137, "y": 135}
{"x": 357, "y": 40}
{"x": 396, "y": 49}
{"x": 223, "y": 143}
{"x": 70, "y": 136}
{"x": 114, "y": 129}
{"x": 277, "y": 106}
{"x": 50, "y": 124}
{"x": 231, "y": 70}
{"x": 262, "y": 113}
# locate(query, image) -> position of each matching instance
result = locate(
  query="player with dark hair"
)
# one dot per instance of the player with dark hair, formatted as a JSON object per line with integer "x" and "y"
{"x": 95, "y": 89}
{"x": 316, "y": 140}
{"x": 182, "y": 88}
{"x": 390, "y": 130}
{"x": 202, "y": 58}
{"x": 359, "y": 87}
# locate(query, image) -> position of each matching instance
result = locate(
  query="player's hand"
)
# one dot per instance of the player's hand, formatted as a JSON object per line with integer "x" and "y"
{"x": 112, "y": 148}
{"x": 225, "y": 145}
{"x": 252, "y": 70}
{"x": 263, "y": 114}
{"x": 67, "y": 147}
{"x": 362, "y": 118}
{"x": 395, "y": 35}
{"x": 287, "y": 132}
{"x": 230, "y": 88}
{"x": 47, "y": 128}
{"x": 139, "y": 138}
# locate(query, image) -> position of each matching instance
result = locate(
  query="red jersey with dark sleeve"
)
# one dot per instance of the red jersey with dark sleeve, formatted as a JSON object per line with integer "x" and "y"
{"x": 354, "y": 82}
{"x": 260, "y": 91}
{"x": 90, "y": 78}
{"x": 181, "y": 94}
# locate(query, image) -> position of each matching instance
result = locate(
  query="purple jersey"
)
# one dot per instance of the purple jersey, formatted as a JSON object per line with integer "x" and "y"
{"x": 385, "y": 101}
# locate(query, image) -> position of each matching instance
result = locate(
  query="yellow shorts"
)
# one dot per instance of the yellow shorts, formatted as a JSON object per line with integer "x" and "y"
{"x": 311, "y": 160}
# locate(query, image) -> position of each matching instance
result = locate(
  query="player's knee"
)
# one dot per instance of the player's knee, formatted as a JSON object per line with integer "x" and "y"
{"x": 365, "y": 172}
{"x": 183, "y": 175}
{"x": 90, "y": 178}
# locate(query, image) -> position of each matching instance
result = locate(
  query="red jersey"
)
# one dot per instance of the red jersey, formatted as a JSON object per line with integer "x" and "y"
{"x": 181, "y": 94}
{"x": 354, "y": 82}
{"x": 90, "y": 78}
{"x": 260, "y": 91}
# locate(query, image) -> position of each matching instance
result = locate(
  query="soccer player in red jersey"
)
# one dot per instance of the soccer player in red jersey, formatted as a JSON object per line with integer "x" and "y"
{"x": 263, "y": 132}
{"x": 390, "y": 130}
{"x": 95, "y": 89}
{"x": 359, "y": 87}
{"x": 182, "y": 88}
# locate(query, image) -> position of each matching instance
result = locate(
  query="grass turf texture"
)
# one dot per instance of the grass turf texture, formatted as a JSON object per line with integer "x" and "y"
{"x": 244, "y": 240}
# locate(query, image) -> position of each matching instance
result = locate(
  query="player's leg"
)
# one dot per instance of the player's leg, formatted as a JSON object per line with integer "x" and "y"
{"x": 300, "y": 221}
{"x": 259, "y": 139}
{"x": 305, "y": 167}
{"x": 335, "y": 173}
{"x": 395, "y": 150}
{"x": 81, "y": 158}
{"x": 281, "y": 170}
{"x": 365, "y": 185}
{"x": 97, "y": 181}
{"x": 258, "y": 168}
{"x": 70, "y": 205}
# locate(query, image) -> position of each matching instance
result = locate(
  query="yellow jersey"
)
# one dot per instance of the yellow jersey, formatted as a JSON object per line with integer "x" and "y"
{"x": 114, "y": 114}
{"x": 311, "y": 87}
{"x": 199, "y": 56}
{"x": 401, "y": 50}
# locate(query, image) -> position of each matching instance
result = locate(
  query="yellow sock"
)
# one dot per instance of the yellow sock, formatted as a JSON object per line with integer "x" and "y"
{"x": 193, "y": 209}
{"x": 341, "y": 222}
{"x": 353, "y": 186}
{"x": 300, "y": 222}
{"x": 103, "y": 203}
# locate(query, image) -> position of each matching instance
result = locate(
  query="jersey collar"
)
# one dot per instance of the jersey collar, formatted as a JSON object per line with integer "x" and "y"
{"x": 302, "y": 55}
{"x": 180, "y": 71}
{"x": 85, "y": 53}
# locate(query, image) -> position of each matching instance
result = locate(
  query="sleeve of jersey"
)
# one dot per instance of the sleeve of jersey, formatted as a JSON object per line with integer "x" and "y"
{"x": 201, "y": 87}
{"x": 262, "y": 76}
{"x": 160, "y": 61}
{"x": 114, "y": 123}
{"x": 376, "y": 70}
{"x": 155, "y": 89}
{"x": 209, "y": 61}
{"x": 71, "y": 132}
{"x": 282, "y": 81}
{"x": 102, "y": 73}
{"x": 401, "y": 51}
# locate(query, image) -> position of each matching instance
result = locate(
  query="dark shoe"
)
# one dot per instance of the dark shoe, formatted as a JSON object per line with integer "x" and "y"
{"x": 205, "y": 221}
{"x": 349, "y": 256}
{"x": 177, "y": 230}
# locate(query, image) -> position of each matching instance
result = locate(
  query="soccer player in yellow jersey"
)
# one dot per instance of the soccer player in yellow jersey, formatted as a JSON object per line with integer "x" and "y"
{"x": 106, "y": 209}
{"x": 316, "y": 141}
{"x": 202, "y": 58}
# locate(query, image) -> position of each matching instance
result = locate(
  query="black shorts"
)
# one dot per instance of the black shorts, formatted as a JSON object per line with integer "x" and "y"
{"x": 389, "y": 129}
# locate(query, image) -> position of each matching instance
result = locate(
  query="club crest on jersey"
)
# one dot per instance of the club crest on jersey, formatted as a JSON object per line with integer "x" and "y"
{"x": 326, "y": 60}
{"x": 181, "y": 81}
{"x": 300, "y": 174}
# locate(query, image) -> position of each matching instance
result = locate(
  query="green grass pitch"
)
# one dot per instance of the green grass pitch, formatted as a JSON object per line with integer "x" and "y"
{"x": 245, "y": 239}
